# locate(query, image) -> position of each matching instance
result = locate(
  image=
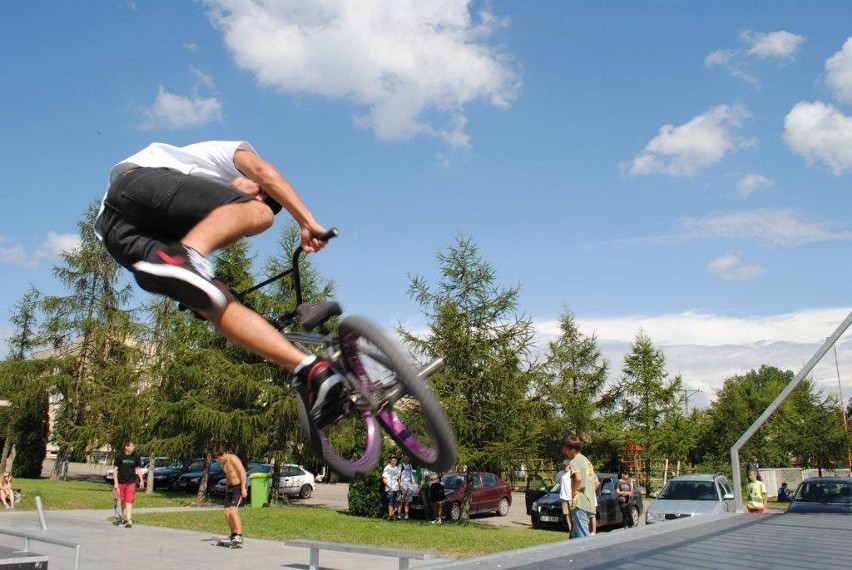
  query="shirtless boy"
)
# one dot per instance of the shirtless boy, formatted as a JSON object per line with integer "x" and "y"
{"x": 235, "y": 492}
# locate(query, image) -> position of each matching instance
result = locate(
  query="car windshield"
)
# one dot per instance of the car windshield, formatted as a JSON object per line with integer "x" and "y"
{"x": 688, "y": 491}
{"x": 824, "y": 492}
{"x": 452, "y": 481}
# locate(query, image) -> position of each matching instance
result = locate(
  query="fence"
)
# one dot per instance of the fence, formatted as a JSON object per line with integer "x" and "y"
{"x": 773, "y": 478}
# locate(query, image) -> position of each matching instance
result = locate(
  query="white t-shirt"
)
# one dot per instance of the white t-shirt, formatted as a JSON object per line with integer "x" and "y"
{"x": 210, "y": 159}
{"x": 390, "y": 474}
{"x": 565, "y": 486}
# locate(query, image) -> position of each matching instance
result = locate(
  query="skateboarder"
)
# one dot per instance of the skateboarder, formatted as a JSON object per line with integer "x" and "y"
{"x": 235, "y": 492}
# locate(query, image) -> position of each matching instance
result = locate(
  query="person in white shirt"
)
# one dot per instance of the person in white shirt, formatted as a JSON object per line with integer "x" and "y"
{"x": 564, "y": 479}
{"x": 390, "y": 479}
{"x": 168, "y": 207}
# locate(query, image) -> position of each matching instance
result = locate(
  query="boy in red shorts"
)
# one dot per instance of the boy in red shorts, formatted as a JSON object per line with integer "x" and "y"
{"x": 128, "y": 470}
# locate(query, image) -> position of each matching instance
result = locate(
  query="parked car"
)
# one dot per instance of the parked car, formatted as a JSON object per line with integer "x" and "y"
{"x": 158, "y": 462}
{"x": 294, "y": 480}
{"x": 690, "y": 495}
{"x": 490, "y": 494}
{"x": 190, "y": 480}
{"x": 545, "y": 507}
{"x": 823, "y": 495}
{"x": 167, "y": 477}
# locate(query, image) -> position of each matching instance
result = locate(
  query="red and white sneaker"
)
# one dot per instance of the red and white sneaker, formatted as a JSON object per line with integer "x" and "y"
{"x": 183, "y": 274}
{"x": 325, "y": 391}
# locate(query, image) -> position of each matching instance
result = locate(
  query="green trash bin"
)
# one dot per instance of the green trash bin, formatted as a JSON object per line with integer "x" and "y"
{"x": 260, "y": 489}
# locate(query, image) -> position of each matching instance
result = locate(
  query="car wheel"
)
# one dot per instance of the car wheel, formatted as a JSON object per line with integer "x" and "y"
{"x": 534, "y": 522}
{"x": 305, "y": 492}
{"x": 455, "y": 511}
{"x": 503, "y": 507}
{"x": 633, "y": 519}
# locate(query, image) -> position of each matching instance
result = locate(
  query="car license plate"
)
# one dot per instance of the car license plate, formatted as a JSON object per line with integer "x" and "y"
{"x": 416, "y": 506}
{"x": 549, "y": 518}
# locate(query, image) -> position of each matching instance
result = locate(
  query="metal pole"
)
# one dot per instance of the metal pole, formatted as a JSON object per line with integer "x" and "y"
{"x": 735, "y": 450}
{"x": 42, "y": 521}
{"x": 843, "y": 413}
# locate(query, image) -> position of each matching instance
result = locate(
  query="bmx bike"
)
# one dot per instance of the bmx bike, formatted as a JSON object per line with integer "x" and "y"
{"x": 383, "y": 389}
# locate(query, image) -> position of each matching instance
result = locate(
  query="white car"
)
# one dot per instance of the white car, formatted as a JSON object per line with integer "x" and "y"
{"x": 295, "y": 481}
{"x": 691, "y": 495}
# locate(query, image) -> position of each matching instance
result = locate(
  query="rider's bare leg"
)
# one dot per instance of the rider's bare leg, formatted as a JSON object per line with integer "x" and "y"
{"x": 244, "y": 327}
{"x": 226, "y": 224}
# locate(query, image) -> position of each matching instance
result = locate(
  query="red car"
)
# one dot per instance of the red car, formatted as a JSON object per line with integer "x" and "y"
{"x": 490, "y": 494}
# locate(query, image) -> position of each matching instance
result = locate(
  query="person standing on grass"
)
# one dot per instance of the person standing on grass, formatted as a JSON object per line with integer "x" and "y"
{"x": 407, "y": 486}
{"x": 437, "y": 496}
{"x": 390, "y": 480}
{"x": 236, "y": 490}
{"x": 128, "y": 470}
{"x": 756, "y": 494}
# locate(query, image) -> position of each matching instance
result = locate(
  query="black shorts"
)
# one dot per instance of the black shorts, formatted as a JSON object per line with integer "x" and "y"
{"x": 233, "y": 496}
{"x": 149, "y": 207}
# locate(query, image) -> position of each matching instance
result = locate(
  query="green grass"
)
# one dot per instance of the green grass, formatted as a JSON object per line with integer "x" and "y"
{"x": 64, "y": 495}
{"x": 452, "y": 540}
{"x": 285, "y": 522}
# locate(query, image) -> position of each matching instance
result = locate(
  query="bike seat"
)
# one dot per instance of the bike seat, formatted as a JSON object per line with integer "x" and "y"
{"x": 312, "y": 315}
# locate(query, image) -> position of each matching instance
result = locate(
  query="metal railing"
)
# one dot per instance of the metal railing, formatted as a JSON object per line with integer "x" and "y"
{"x": 28, "y": 537}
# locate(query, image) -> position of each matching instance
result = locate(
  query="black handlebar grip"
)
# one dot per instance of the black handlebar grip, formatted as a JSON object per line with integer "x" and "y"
{"x": 332, "y": 233}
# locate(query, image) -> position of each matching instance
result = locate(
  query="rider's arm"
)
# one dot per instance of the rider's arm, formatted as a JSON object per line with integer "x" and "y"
{"x": 276, "y": 185}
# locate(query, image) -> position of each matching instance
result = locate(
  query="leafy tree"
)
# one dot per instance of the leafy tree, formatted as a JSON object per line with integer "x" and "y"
{"x": 811, "y": 427}
{"x": 486, "y": 349}
{"x": 17, "y": 378}
{"x": 93, "y": 337}
{"x": 646, "y": 398}
{"x": 738, "y": 404}
{"x": 571, "y": 386}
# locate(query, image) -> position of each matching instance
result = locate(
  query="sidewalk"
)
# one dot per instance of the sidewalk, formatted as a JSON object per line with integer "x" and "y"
{"x": 106, "y": 547}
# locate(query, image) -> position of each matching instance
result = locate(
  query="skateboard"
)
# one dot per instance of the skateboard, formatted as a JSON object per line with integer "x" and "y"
{"x": 226, "y": 542}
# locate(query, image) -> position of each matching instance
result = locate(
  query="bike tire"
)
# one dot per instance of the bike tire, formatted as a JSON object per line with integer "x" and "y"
{"x": 373, "y": 358}
{"x": 322, "y": 446}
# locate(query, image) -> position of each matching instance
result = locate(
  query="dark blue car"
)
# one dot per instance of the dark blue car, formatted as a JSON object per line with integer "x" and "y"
{"x": 823, "y": 495}
{"x": 189, "y": 481}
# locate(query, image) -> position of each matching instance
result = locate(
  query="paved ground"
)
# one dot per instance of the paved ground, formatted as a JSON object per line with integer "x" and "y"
{"x": 730, "y": 541}
{"x": 106, "y": 547}
{"x": 720, "y": 541}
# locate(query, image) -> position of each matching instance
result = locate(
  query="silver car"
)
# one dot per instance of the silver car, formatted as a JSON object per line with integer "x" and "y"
{"x": 295, "y": 481}
{"x": 690, "y": 495}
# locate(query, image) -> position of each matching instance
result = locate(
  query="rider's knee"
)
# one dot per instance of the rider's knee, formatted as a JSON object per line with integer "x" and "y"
{"x": 261, "y": 217}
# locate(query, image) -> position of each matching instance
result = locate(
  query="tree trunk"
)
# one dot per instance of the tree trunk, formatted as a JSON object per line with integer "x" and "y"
{"x": 7, "y": 449}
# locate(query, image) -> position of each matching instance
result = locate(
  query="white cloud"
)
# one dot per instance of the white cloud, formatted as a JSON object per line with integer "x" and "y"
{"x": 687, "y": 149}
{"x": 413, "y": 65}
{"x": 706, "y": 349}
{"x": 781, "y": 45}
{"x": 175, "y": 112}
{"x": 53, "y": 245}
{"x": 732, "y": 268}
{"x": 819, "y": 132}
{"x": 778, "y": 45}
{"x": 751, "y": 183}
{"x": 785, "y": 228}
{"x": 56, "y": 244}
{"x": 14, "y": 253}
{"x": 839, "y": 73}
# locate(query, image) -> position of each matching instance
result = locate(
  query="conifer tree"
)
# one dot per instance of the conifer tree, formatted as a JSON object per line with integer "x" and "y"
{"x": 93, "y": 336}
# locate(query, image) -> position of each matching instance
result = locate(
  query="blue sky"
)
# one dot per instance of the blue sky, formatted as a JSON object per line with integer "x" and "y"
{"x": 679, "y": 167}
